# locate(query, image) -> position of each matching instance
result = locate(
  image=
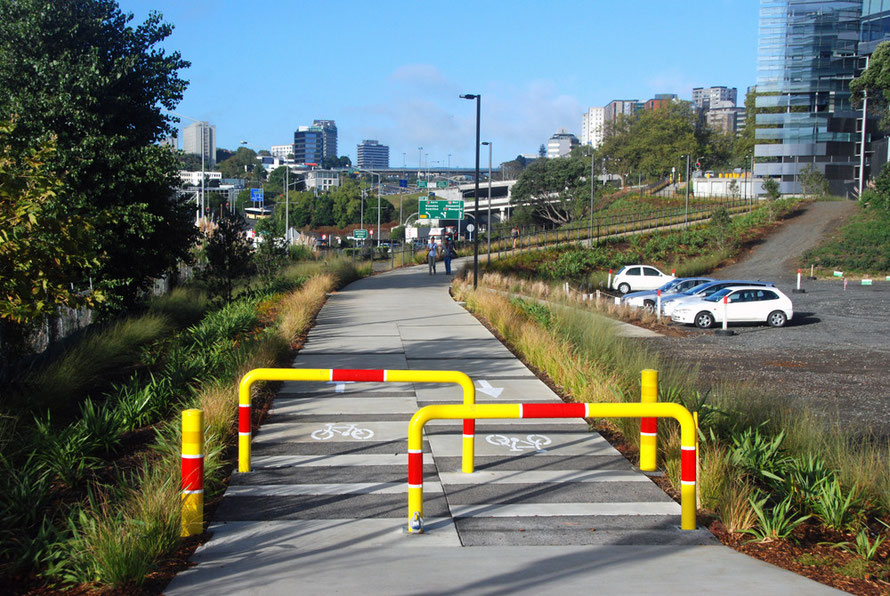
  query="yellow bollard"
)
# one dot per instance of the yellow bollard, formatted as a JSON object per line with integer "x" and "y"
{"x": 649, "y": 426}
{"x": 192, "y": 472}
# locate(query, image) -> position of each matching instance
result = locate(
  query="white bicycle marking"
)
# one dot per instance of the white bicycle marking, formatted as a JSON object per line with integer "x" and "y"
{"x": 535, "y": 442}
{"x": 344, "y": 430}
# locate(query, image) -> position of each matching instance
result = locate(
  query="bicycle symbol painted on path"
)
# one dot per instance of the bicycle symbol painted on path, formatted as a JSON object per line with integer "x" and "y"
{"x": 344, "y": 430}
{"x": 535, "y": 442}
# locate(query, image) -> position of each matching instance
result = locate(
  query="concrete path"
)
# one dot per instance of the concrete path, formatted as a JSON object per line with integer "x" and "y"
{"x": 550, "y": 507}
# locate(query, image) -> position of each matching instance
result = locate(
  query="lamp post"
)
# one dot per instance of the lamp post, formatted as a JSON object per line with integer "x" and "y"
{"x": 419, "y": 161}
{"x": 478, "y": 99}
{"x": 686, "y": 218}
{"x": 592, "y": 183}
{"x": 488, "y": 217}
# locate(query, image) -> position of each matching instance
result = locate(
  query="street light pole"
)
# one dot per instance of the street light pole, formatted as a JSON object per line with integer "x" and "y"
{"x": 286, "y": 202}
{"x": 686, "y": 219}
{"x": 488, "y": 217}
{"x": 478, "y": 99}
{"x": 592, "y": 183}
{"x": 419, "y": 161}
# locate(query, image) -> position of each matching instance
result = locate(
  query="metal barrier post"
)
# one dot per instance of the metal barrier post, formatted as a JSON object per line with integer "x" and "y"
{"x": 550, "y": 410}
{"x": 649, "y": 425}
{"x": 354, "y": 375}
{"x": 192, "y": 516}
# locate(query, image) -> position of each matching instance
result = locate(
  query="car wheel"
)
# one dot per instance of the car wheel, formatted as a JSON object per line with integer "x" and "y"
{"x": 777, "y": 318}
{"x": 648, "y": 306}
{"x": 704, "y": 319}
{"x": 624, "y": 287}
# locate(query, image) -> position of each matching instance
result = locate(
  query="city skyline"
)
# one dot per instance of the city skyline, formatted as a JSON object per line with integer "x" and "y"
{"x": 393, "y": 71}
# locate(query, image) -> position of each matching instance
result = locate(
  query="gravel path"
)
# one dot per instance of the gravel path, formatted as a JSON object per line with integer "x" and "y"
{"x": 833, "y": 356}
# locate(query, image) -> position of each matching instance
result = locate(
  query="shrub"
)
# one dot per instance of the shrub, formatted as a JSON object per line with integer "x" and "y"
{"x": 773, "y": 523}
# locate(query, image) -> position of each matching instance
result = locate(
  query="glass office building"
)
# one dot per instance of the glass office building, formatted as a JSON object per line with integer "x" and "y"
{"x": 807, "y": 55}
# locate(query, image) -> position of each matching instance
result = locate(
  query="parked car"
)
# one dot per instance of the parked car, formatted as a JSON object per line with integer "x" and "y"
{"x": 648, "y": 298}
{"x": 639, "y": 277}
{"x": 703, "y": 291}
{"x": 744, "y": 304}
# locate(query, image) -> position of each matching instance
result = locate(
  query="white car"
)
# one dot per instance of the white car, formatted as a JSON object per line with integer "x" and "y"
{"x": 639, "y": 277}
{"x": 647, "y": 299}
{"x": 744, "y": 304}
{"x": 669, "y": 303}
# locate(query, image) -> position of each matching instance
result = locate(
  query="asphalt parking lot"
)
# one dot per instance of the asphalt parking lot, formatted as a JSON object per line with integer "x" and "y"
{"x": 834, "y": 355}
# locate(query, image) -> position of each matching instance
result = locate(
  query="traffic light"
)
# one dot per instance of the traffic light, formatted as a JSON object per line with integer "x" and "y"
{"x": 698, "y": 165}
{"x": 324, "y": 236}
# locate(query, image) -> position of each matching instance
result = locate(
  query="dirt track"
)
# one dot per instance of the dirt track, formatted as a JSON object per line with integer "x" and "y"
{"x": 835, "y": 353}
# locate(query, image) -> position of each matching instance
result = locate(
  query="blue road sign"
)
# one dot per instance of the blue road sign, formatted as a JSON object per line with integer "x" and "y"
{"x": 403, "y": 184}
{"x": 256, "y": 195}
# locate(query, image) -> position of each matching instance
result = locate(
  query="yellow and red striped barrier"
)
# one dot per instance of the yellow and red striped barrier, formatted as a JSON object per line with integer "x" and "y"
{"x": 535, "y": 410}
{"x": 353, "y": 375}
{"x": 648, "y": 425}
{"x": 192, "y": 517}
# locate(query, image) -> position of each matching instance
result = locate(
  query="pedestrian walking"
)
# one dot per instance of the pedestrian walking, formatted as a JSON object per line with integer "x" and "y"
{"x": 448, "y": 253}
{"x": 431, "y": 255}
{"x": 514, "y": 234}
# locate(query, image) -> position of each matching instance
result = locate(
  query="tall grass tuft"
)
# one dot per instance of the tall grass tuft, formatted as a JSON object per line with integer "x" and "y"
{"x": 104, "y": 353}
{"x": 299, "y": 308}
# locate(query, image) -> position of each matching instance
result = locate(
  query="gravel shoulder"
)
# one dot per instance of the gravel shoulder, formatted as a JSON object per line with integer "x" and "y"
{"x": 834, "y": 356}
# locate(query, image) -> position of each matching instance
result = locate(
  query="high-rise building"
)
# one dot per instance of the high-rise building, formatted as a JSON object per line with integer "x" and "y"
{"x": 618, "y": 107}
{"x": 328, "y": 137}
{"x": 308, "y": 145}
{"x": 705, "y": 97}
{"x": 372, "y": 155}
{"x": 809, "y": 51}
{"x": 561, "y": 143}
{"x": 592, "y": 129}
{"x": 281, "y": 151}
{"x": 200, "y": 137}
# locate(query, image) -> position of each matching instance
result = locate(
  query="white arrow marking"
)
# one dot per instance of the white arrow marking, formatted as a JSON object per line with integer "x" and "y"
{"x": 340, "y": 385}
{"x": 487, "y": 389}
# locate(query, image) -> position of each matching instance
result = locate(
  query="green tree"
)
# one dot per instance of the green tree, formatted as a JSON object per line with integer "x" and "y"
{"x": 812, "y": 181}
{"x": 271, "y": 251}
{"x": 228, "y": 253}
{"x": 652, "y": 141}
{"x": 875, "y": 81}
{"x": 275, "y": 182}
{"x": 550, "y": 189}
{"x": 42, "y": 246}
{"x": 772, "y": 188}
{"x": 191, "y": 162}
{"x": 78, "y": 72}
{"x": 240, "y": 165}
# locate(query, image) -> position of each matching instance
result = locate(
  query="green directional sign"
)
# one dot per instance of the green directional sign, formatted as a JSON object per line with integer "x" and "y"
{"x": 360, "y": 234}
{"x": 441, "y": 184}
{"x": 441, "y": 209}
{"x": 421, "y": 183}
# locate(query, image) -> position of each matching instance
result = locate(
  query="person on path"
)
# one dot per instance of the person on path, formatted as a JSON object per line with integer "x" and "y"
{"x": 514, "y": 234}
{"x": 431, "y": 254}
{"x": 448, "y": 253}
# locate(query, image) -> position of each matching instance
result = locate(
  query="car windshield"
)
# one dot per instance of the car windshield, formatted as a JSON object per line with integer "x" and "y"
{"x": 696, "y": 289}
{"x": 718, "y": 295}
{"x": 669, "y": 285}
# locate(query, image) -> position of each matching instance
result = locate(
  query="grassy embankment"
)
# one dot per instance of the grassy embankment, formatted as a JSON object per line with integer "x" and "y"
{"x": 860, "y": 247}
{"x": 89, "y": 486}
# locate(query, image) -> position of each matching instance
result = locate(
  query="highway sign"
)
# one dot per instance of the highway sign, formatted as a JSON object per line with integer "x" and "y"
{"x": 256, "y": 195}
{"x": 403, "y": 184}
{"x": 441, "y": 209}
{"x": 441, "y": 184}
{"x": 421, "y": 184}
{"x": 360, "y": 234}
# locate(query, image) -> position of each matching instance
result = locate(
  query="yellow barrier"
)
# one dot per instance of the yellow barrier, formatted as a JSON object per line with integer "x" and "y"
{"x": 648, "y": 426}
{"x": 192, "y": 516}
{"x": 509, "y": 411}
{"x": 353, "y": 375}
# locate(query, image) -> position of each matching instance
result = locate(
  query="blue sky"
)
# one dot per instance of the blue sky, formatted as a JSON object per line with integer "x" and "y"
{"x": 393, "y": 70}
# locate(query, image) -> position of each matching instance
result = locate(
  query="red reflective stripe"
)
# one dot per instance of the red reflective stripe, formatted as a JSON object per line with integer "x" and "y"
{"x": 687, "y": 464}
{"x": 193, "y": 473}
{"x": 553, "y": 410}
{"x": 244, "y": 419}
{"x": 415, "y": 468}
{"x": 649, "y": 425}
{"x": 469, "y": 427}
{"x": 349, "y": 374}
